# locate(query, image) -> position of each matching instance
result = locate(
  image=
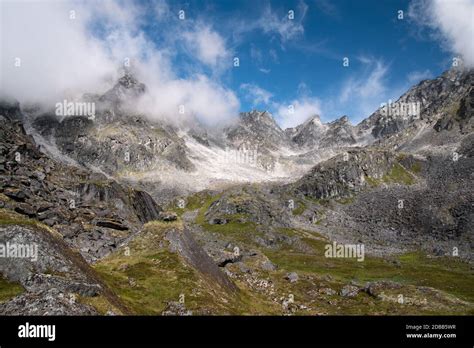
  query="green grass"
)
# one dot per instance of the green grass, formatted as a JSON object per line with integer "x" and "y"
{"x": 100, "y": 303}
{"x": 8, "y": 217}
{"x": 234, "y": 230}
{"x": 372, "y": 182}
{"x": 288, "y": 231}
{"x": 399, "y": 175}
{"x": 4, "y": 198}
{"x": 401, "y": 156}
{"x": 9, "y": 290}
{"x": 345, "y": 200}
{"x": 161, "y": 276}
{"x": 416, "y": 167}
{"x": 201, "y": 218}
{"x": 320, "y": 201}
{"x": 193, "y": 202}
{"x": 237, "y": 229}
{"x": 155, "y": 283}
{"x": 453, "y": 108}
{"x": 11, "y": 218}
{"x": 300, "y": 208}
{"x": 449, "y": 274}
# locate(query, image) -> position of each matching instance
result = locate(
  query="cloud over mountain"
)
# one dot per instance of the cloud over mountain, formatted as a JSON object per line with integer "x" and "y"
{"x": 63, "y": 49}
{"x": 452, "y": 22}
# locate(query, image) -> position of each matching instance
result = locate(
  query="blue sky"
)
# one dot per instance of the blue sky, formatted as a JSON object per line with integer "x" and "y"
{"x": 284, "y": 63}
{"x": 386, "y": 55}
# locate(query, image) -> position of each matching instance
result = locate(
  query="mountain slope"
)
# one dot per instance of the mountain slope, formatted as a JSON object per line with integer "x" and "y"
{"x": 400, "y": 187}
{"x": 436, "y": 98}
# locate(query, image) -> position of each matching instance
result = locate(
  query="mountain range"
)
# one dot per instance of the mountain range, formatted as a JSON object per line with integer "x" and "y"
{"x": 134, "y": 214}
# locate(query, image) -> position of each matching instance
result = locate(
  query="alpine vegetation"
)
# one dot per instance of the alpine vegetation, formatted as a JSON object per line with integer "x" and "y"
{"x": 176, "y": 158}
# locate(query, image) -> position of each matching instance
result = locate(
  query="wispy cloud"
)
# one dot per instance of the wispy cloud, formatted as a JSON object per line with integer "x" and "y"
{"x": 289, "y": 113}
{"x": 417, "y": 76}
{"x": 161, "y": 9}
{"x": 256, "y": 54}
{"x": 319, "y": 48}
{"x": 256, "y": 94}
{"x": 287, "y": 28}
{"x": 297, "y": 111}
{"x": 208, "y": 46}
{"x": 67, "y": 54}
{"x": 451, "y": 22}
{"x": 362, "y": 92}
{"x": 257, "y": 59}
{"x": 279, "y": 24}
{"x": 328, "y": 8}
{"x": 367, "y": 85}
{"x": 274, "y": 56}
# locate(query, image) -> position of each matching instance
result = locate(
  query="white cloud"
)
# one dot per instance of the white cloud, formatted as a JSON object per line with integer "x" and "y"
{"x": 287, "y": 114}
{"x": 286, "y": 28}
{"x": 297, "y": 111}
{"x": 452, "y": 21}
{"x": 363, "y": 92}
{"x": 274, "y": 23}
{"x": 112, "y": 13}
{"x": 256, "y": 54}
{"x": 417, "y": 76}
{"x": 257, "y": 59}
{"x": 274, "y": 55}
{"x": 161, "y": 9}
{"x": 328, "y": 8}
{"x": 54, "y": 51}
{"x": 256, "y": 94}
{"x": 208, "y": 45}
{"x": 366, "y": 86}
{"x": 303, "y": 89}
{"x": 62, "y": 57}
{"x": 201, "y": 98}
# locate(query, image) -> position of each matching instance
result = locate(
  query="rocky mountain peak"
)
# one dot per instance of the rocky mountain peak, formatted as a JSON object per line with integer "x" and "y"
{"x": 313, "y": 121}
{"x": 259, "y": 124}
{"x": 424, "y": 101}
{"x": 315, "y": 133}
{"x": 385, "y": 196}
{"x": 10, "y": 109}
{"x": 126, "y": 87}
{"x": 128, "y": 81}
{"x": 456, "y": 74}
{"x": 259, "y": 117}
{"x": 258, "y": 128}
{"x": 343, "y": 120}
